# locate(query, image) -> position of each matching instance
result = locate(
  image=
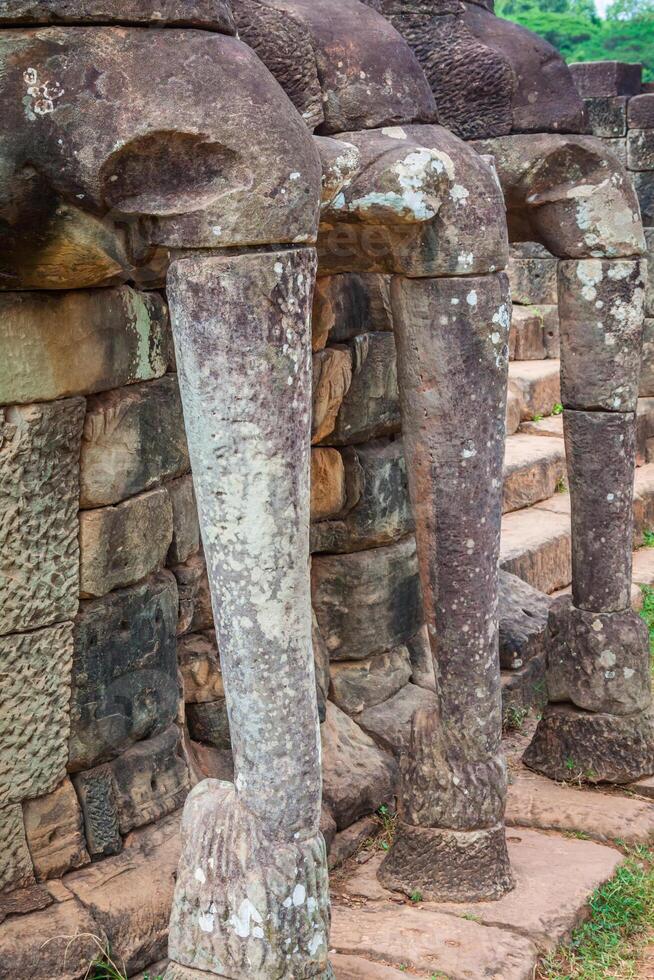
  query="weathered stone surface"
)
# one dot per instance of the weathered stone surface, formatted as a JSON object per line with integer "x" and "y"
{"x": 125, "y": 670}
{"x": 35, "y": 720}
{"x": 618, "y": 147}
{"x": 364, "y": 683}
{"x": 367, "y": 602}
{"x": 601, "y": 344}
{"x": 195, "y": 612}
{"x": 71, "y": 343}
{"x": 348, "y": 305}
{"x": 647, "y": 370}
{"x": 607, "y": 115}
{"x": 197, "y": 655}
{"x": 357, "y": 775}
{"x": 332, "y": 376}
{"x": 533, "y": 279}
{"x": 39, "y": 490}
{"x": 370, "y": 406}
{"x": 538, "y": 386}
{"x": 422, "y": 660}
{"x": 413, "y": 204}
{"x": 574, "y": 745}
{"x": 328, "y": 484}
{"x": 640, "y": 112}
{"x": 150, "y": 780}
{"x": 595, "y": 79}
{"x": 640, "y": 149}
{"x": 16, "y": 869}
{"x": 533, "y": 469}
{"x": 389, "y": 722}
{"x": 209, "y": 14}
{"x": 38, "y": 946}
{"x": 95, "y": 790}
{"x": 321, "y": 667}
{"x": 534, "y": 801}
{"x": 374, "y": 80}
{"x": 644, "y": 186}
{"x": 55, "y": 832}
{"x": 526, "y": 337}
{"x": 133, "y": 440}
{"x": 536, "y": 547}
{"x": 513, "y": 409}
{"x": 523, "y": 690}
{"x": 423, "y": 941}
{"x": 348, "y": 841}
{"x": 649, "y": 288}
{"x": 145, "y": 871}
{"x": 186, "y": 527}
{"x": 523, "y": 613}
{"x": 598, "y": 661}
{"x": 601, "y": 492}
{"x": 377, "y": 511}
{"x": 123, "y": 544}
{"x": 208, "y": 723}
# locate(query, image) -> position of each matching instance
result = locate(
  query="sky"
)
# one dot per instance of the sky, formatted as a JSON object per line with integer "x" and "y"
{"x": 601, "y": 6}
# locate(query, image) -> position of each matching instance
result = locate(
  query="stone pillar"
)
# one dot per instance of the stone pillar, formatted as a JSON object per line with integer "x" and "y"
{"x": 452, "y": 340}
{"x": 598, "y": 726}
{"x": 252, "y": 893}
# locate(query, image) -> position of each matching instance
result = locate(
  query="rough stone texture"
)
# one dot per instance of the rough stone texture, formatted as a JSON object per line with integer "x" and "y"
{"x": 55, "y": 832}
{"x": 649, "y": 288}
{"x": 640, "y": 149}
{"x": 367, "y": 602}
{"x": 357, "y": 775}
{"x": 133, "y": 440}
{"x": 647, "y": 372}
{"x": 348, "y": 841}
{"x": 372, "y": 80}
{"x": 601, "y": 327}
{"x": 364, "y": 683}
{"x": 422, "y": 660}
{"x": 533, "y": 279}
{"x": 125, "y": 670}
{"x": 598, "y": 661}
{"x": 95, "y": 791}
{"x": 348, "y": 305}
{"x": 644, "y": 186}
{"x": 595, "y": 79}
{"x": 328, "y": 484}
{"x": 16, "y": 869}
{"x": 332, "y": 376}
{"x": 39, "y": 491}
{"x": 536, "y": 547}
{"x": 321, "y": 667}
{"x": 526, "y": 337}
{"x": 523, "y": 691}
{"x": 377, "y": 510}
{"x": 70, "y": 343}
{"x": 533, "y": 469}
{"x": 640, "y": 112}
{"x": 186, "y": 527}
{"x": 601, "y": 493}
{"x": 389, "y": 722}
{"x": 534, "y": 801}
{"x": 35, "y": 719}
{"x": 123, "y": 544}
{"x": 197, "y": 655}
{"x": 195, "y": 612}
{"x": 572, "y": 745}
{"x": 537, "y": 385}
{"x": 607, "y": 115}
{"x": 370, "y": 406}
{"x": 413, "y": 203}
{"x": 208, "y": 723}
{"x": 210, "y": 14}
{"x": 523, "y": 613}
{"x": 150, "y": 780}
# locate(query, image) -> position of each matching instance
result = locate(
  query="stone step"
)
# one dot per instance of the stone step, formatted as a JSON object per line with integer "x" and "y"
{"x": 538, "y": 386}
{"x": 533, "y": 470}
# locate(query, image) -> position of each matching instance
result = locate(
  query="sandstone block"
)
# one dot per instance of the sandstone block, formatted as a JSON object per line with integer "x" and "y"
{"x": 16, "y": 870}
{"x": 197, "y": 655}
{"x": 125, "y": 684}
{"x": 537, "y": 385}
{"x": 123, "y": 544}
{"x": 150, "y": 780}
{"x": 357, "y": 775}
{"x": 601, "y": 344}
{"x": 95, "y": 789}
{"x": 377, "y": 510}
{"x": 644, "y": 185}
{"x": 523, "y": 613}
{"x": 35, "y": 718}
{"x": 603, "y": 79}
{"x": 640, "y": 112}
{"x": 640, "y": 149}
{"x": 195, "y": 612}
{"x": 367, "y": 602}
{"x": 38, "y": 946}
{"x": 39, "y": 493}
{"x": 186, "y": 527}
{"x": 513, "y": 409}
{"x": 347, "y": 305}
{"x": 371, "y": 405}
{"x": 598, "y": 661}
{"x": 533, "y": 468}
{"x": 526, "y": 339}
{"x": 532, "y": 279}
{"x": 215, "y": 15}
{"x": 647, "y": 371}
{"x": 55, "y": 832}
{"x": 134, "y": 439}
{"x": 208, "y": 723}
{"x": 649, "y": 288}
{"x": 364, "y": 683}
{"x": 536, "y": 547}
{"x": 332, "y": 375}
{"x": 348, "y": 841}
{"x": 607, "y": 115}
{"x": 389, "y": 722}
{"x": 328, "y": 489}
{"x": 618, "y": 147}
{"x": 422, "y": 660}
{"x": 70, "y": 343}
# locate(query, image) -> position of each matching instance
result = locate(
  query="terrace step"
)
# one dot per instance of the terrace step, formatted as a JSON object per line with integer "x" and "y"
{"x": 533, "y": 469}
{"x": 538, "y": 386}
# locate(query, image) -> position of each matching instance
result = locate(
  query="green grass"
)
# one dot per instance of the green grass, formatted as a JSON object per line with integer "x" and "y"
{"x": 648, "y": 539}
{"x": 621, "y": 922}
{"x": 647, "y": 612}
{"x": 557, "y": 409}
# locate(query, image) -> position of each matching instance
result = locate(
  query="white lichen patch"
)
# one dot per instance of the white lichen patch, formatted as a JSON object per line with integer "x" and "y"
{"x": 41, "y": 96}
{"x": 207, "y": 920}
{"x": 471, "y": 298}
{"x": 394, "y": 132}
{"x": 242, "y": 921}
{"x": 459, "y": 193}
